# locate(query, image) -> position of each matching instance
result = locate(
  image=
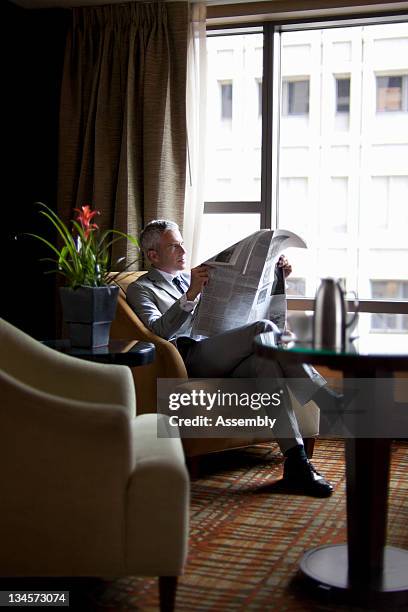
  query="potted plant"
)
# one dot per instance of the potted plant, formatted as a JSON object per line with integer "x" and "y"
{"x": 84, "y": 259}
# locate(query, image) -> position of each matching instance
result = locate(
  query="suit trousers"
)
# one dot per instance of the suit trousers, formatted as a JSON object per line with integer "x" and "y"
{"x": 231, "y": 354}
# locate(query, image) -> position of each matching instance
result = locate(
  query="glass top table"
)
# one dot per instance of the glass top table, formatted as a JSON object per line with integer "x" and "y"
{"x": 364, "y": 569}
{"x": 370, "y": 352}
{"x": 367, "y": 346}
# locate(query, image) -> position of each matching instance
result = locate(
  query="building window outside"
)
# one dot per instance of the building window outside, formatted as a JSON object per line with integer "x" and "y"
{"x": 392, "y": 93}
{"x": 389, "y": 290}
{"x": 226, "y": 100}
{"x": 342, "y": 95}
{"x": 295, "y": 97}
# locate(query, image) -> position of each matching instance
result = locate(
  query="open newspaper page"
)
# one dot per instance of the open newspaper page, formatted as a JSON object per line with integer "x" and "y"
{"x": 244, "y": 285}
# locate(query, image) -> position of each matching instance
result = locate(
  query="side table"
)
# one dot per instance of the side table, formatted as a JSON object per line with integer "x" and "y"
{"x": 131, "y": 353}
{"x": 364, "y": 569}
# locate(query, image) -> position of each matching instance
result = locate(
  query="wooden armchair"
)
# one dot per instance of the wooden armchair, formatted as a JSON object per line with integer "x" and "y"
{"x": 168, "y": 362}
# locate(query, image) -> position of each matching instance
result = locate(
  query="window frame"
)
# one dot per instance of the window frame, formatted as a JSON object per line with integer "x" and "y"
{"x": 267, "y": 206}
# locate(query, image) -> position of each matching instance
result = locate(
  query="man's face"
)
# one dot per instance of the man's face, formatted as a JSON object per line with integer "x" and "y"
{"x": 170, "y": 255}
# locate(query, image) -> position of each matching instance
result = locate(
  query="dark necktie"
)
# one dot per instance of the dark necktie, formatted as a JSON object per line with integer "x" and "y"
{"x": 177, "y": 282}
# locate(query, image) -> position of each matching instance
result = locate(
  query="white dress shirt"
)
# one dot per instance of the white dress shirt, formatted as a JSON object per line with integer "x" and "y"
{"x": 185, "y": 304}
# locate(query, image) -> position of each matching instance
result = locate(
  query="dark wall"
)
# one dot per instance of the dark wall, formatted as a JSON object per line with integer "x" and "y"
{"x": 32, "y": 48}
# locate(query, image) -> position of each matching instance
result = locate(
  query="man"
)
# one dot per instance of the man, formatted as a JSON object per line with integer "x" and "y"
{"x": 165, "y": 300}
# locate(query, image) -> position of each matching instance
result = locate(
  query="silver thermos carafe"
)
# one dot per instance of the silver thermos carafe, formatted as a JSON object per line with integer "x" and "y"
{"x": 330, "y": 313}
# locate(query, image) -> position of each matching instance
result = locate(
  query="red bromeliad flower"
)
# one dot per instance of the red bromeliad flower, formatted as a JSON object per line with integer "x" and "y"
{"x": 84, "y": 257}
{"x": 85, "y": 216}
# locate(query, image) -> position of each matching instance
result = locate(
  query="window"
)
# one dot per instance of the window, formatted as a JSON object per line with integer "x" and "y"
{"x": 389, "y": 290}
{"x": 226, "y": 100}
{"x": 295, "y": 97}
{"x": 337, "y": 160}
{"x": 342, "y": 95}
{"x": 234, "y": 121}
{"x": 308, "y": 160}
{"x": 392, "y": 93}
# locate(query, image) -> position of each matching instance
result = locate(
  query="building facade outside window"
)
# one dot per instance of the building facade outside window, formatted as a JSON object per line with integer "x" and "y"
{"x": 341, "y": 145}
{"x": 233, "y": 146}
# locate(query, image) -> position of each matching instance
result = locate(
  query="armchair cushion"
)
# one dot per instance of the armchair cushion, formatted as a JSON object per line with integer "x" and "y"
{"x": 158, "y": 495}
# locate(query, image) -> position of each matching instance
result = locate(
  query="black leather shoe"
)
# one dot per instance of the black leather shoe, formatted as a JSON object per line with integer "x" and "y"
{"x": 301, "y": 477}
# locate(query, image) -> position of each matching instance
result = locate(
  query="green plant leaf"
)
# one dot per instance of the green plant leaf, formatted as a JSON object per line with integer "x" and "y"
{"x": 81, "y": 259}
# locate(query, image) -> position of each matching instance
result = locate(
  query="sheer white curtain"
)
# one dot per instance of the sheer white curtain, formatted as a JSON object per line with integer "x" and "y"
{"x": 196, "y": 119}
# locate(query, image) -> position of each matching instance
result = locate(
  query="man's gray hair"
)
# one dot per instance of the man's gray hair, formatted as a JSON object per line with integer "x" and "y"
{"x": 150, "y": 236}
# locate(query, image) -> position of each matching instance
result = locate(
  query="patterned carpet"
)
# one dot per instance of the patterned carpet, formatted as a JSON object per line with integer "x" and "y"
{"x": 246, "y": 539}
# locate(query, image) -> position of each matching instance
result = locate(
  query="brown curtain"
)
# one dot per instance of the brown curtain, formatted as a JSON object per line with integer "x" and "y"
{"x": 123, "y": 118}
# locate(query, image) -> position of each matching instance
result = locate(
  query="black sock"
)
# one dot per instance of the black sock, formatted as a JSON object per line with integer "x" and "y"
{"x": 296, "y": 453}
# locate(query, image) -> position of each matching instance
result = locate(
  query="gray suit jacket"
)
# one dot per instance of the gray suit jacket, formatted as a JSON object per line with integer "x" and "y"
{"x": 156, "y": 302}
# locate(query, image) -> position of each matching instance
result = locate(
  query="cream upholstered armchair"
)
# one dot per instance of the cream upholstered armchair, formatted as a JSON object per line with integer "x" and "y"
{"x": 86, "y": 489}
{"x": 169, "y": 364}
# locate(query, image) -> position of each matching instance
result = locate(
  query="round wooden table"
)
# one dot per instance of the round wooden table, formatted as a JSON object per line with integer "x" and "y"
{"x": 364, "y": 569}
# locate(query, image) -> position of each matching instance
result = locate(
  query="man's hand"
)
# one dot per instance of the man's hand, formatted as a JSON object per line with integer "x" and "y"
{"x": 283, "y": 263}
{"x": 199, "y": 278}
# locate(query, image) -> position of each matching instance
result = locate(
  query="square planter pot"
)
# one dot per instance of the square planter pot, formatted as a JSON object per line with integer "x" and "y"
{"x": 89, "y": 312}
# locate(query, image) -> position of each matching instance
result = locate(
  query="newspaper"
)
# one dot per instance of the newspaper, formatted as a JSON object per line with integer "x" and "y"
{"x": 245, "y": 284}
